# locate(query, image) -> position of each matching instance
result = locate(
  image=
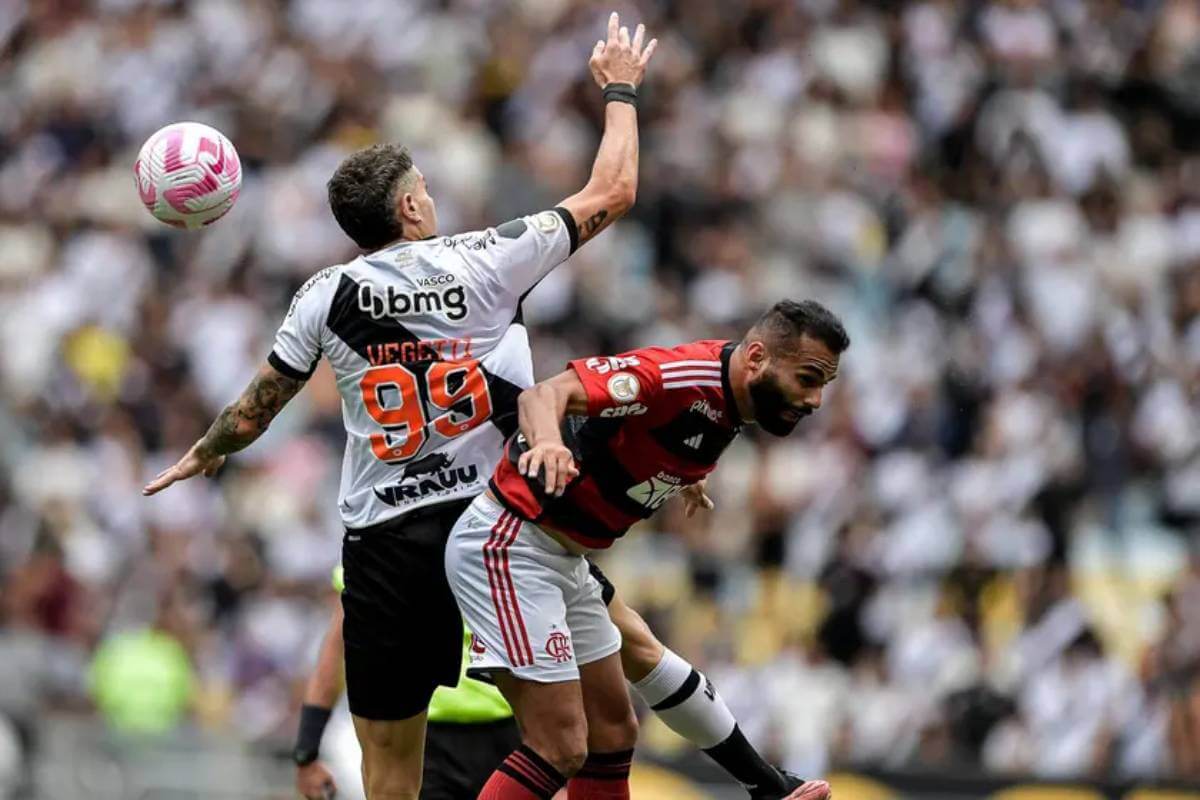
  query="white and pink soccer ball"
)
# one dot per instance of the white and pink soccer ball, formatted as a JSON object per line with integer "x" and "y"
{"x": 188, "y": 175}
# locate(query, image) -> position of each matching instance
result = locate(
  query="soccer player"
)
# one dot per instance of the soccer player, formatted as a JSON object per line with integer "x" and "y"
{"x": 424, "y": 336}
{"x": 601, "y": 446}
{"x": 471, "y": 728}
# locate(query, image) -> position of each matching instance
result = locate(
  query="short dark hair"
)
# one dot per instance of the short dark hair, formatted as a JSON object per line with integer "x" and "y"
{"x": 362, "y": 194}
{"x": 787, "y": 320}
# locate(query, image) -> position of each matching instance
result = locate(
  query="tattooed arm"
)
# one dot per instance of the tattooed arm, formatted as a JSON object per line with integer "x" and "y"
{"x": 612, "y": 188}
{"x": 237, "y": 427}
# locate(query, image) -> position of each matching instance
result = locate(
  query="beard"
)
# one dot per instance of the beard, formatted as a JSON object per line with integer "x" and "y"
{"x": 771, "y": 407}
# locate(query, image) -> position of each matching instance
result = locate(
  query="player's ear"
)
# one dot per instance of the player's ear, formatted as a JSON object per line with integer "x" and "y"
{"x": 408, "y": 208}
{"x": 756, "y": 356}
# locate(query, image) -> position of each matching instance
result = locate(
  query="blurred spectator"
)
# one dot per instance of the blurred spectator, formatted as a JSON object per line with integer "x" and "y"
{"x": 963, "y": 559}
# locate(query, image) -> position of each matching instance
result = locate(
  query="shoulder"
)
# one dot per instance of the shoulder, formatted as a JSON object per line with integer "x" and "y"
{"x": 319, "y": 285}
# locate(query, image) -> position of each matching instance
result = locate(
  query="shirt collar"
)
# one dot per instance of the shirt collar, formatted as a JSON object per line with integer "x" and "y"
{"x": 735, "y": 418}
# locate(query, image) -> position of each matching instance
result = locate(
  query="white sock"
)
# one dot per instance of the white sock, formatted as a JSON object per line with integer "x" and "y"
{"x": 686, "y": 700}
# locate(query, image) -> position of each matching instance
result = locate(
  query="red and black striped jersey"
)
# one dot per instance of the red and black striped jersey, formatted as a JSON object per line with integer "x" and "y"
{"x": 657, "y": 420}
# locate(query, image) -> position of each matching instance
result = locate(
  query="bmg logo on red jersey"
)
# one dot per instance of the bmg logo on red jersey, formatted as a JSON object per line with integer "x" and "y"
{"x": 607, "y": 364}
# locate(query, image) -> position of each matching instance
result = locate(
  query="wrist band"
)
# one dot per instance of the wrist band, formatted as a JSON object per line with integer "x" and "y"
{"x": 621, "y": 93}
{"x": 308, "y": 737}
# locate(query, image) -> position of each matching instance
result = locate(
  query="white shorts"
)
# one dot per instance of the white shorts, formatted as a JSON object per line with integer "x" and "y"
{"x": 534, "y": 607}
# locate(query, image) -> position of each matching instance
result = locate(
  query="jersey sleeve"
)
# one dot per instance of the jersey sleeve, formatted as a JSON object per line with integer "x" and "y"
{"x": 527, "y": 248}
{"x": 297, "y": 346}
{"x": 622, "y": 385}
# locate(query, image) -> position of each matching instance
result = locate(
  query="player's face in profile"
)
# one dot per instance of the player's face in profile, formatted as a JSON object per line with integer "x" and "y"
{"x": 788, "y": 386}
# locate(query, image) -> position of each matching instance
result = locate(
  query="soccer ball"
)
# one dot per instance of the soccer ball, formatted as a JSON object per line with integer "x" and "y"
{"x": 188, "y": 175}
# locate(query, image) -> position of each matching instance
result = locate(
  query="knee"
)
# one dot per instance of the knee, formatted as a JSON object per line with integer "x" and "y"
{"x": 562, "y": 741}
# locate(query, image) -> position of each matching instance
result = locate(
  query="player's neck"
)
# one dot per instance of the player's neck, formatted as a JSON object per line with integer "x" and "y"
{"x": 737, "y": 382}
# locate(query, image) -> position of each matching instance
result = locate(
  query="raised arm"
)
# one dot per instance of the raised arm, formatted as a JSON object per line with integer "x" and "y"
{"x": 618, "y": 65}
{"x": 237, "y": 427}
{"x": 540, "y": 412}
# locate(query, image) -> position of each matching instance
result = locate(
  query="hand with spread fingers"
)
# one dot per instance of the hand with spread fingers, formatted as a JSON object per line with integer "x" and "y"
{"x": 621, "y": 59}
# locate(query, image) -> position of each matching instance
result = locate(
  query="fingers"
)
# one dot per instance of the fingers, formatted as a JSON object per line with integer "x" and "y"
{"x": 815, "y": 790}
{"x": 706, "y": 502}
{"x": 639, "y": 37}
{"x": 598, "y": 50}
{"x": 529, "y": 463}
{"x": 624, "y": 36}
{"x": 161, "y": 481}
{"x": 614, "y": 25}
{"x": 551, "y": 467}
{"x": 649, "y": 51}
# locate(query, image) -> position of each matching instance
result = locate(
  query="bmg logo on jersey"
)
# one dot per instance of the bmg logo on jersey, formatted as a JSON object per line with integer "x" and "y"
{"x": 451, "y": 301}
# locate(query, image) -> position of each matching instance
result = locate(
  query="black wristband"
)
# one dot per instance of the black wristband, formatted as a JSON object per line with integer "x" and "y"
{"x": 308, "y": 739}
{"x": 621, "y": 93}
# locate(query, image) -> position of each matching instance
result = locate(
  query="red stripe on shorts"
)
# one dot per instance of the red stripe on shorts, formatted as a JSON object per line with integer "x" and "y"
{"x": 512, "y": 592}
{"x": 498, "y": 601}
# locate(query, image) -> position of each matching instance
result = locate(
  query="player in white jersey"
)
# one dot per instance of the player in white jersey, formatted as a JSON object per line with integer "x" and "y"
{"x": 424, "y": 336}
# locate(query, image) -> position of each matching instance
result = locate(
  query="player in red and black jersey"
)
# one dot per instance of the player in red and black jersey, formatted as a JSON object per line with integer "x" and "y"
{"x": 601, "y": 446}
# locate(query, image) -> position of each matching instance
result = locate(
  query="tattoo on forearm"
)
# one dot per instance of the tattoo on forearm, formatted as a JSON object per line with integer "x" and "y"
{"x": 245, "y": 420}
{"x": 592, "y": 224}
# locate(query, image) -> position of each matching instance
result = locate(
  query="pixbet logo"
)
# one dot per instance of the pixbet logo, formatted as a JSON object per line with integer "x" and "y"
{"x": 452, "y": 302}
{"x": 702, "y": 407}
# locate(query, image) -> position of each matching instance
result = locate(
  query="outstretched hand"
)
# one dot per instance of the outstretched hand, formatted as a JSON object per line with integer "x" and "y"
{"x": 621, "y": 59}
{"x": 197, "y": 460}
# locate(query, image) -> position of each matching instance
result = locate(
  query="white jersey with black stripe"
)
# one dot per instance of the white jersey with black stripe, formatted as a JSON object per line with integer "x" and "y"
{"x": 426, "y": 341}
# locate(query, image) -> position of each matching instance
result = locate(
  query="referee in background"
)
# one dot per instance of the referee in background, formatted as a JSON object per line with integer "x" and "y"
{"x": 471, "y": 727}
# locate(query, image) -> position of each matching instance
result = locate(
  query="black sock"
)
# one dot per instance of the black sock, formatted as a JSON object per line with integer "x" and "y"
{"x": 739, "y": 758}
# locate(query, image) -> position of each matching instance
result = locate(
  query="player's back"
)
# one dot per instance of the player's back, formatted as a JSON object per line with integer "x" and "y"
{"x": 658, "y": 420}
{"x": 427, "y": 346}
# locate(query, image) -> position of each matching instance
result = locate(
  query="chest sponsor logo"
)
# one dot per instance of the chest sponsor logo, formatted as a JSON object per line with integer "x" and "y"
{"x": 603, "y": 366}
{"x": 632, "y": 410}
{"x": 653, "y": 492}
{"x": 451, "y": 302}
{"x": 623, "y": 387}
{"x": 702, "y": 407}
{"x": 434, "y": 474}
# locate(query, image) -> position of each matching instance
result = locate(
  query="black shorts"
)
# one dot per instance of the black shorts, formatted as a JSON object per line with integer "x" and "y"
{"x": 607, "y": 590}
{"x": 402, "y": 630}
{"x": 459, "y": 759}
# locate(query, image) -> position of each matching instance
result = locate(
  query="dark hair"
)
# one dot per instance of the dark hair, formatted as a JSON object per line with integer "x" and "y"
{"x": 362, "y": 194}
{"x": 788, "y": 320}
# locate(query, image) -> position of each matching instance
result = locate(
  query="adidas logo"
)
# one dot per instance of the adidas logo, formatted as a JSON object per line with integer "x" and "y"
{"x": 694, "y": 442}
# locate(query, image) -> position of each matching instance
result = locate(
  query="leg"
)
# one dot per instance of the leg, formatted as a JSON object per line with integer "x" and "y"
{"x": 392, "y": 755}
{"x": 689, "y": 704}
{"x": 512, "y": 584}
{"x": 611, "y": 733}
{"x": 403, "y": 637}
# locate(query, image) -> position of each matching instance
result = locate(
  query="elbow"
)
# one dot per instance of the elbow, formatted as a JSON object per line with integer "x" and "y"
{"x": 622, "y": 196}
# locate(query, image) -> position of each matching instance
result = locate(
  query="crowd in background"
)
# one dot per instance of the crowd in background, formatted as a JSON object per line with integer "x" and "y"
{"x": 983, "y": 553}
